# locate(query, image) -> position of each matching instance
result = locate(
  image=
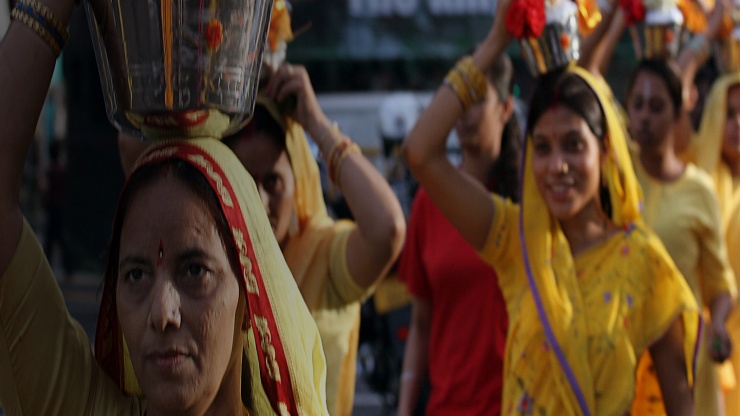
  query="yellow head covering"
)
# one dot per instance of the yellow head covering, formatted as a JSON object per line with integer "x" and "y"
{"x": 308, "y": 245}
{"x": 706, "y": 150}
{"x": 550, "y": 266}
{"x": 282, "y": 346}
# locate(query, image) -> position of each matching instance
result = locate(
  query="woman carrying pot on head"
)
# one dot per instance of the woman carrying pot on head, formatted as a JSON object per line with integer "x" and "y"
{"x": 449, "y": 281}
{"x": 335, "y": 263}
{"x": 579, "y": 271}
{"x": 199, "y": 314}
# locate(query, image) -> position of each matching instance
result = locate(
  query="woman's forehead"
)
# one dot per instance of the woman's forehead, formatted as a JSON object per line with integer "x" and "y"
{"x": 166, "y": 210}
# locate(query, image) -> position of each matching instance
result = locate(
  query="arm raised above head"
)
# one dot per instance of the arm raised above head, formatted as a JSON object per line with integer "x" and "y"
{"x": 26, "y": 67}
{"x": 462, "y": 199}
{"x": 376, "y": 242}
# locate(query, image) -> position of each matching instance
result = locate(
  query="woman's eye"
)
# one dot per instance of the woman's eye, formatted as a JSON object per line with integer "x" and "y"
{"x": 134, "y": 275}
{"x": 656, "y": 106}
{"x": 195, "y": 271}
{"x": 574, "y": 145}
{"x": 541, "y": 148}
{"x": 272, "y": 183}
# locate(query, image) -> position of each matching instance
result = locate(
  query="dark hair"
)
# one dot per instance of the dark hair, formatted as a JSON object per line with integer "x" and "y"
{"x": 570, "y": 90}
{"x": 663, "y": 70}
{"x": 506, "y": 169}
{"x": 193, "y": 179}
{"x": 262, "y": 121}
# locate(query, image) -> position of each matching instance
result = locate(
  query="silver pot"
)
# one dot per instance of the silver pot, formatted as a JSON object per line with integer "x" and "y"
{"x": 179, "y": 68}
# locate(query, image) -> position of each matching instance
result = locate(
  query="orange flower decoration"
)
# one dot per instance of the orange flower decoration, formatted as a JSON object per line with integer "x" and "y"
{"x": 694, "y": 18}
{"x": 564, "y": 40}
{"x": 669, "y": 36}
{"x": 279, "y": 30}
{"x": 726, "y": 28}
{"x": 214, "y": 33}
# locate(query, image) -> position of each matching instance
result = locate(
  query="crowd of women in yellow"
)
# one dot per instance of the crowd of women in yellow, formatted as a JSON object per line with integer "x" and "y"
{"x": 230, "y": 290}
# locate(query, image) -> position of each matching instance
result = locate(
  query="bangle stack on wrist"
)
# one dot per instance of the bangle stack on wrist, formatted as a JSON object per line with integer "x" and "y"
{"x": 41, "y": 20}
{"x": 467, "y": 81}
{"x": 336, "y": 157}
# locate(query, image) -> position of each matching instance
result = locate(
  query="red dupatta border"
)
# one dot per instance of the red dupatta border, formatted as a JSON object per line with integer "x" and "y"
{"x": 274, "y": 372}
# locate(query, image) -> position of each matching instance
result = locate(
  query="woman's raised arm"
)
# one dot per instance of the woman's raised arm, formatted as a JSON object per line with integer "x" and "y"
{"x": 375, "y": 244}
{"x": 462, "y": 199}
{"x": 26, "y": 66}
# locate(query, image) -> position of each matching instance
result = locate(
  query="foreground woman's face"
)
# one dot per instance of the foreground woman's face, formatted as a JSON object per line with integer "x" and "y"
{"x": 566, "y": 160}
{"x": 177, "y": 297}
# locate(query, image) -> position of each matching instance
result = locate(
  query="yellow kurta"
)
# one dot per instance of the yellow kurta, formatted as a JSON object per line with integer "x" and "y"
{"x": 46, "y": 363}
{"x": 685, "y": 215}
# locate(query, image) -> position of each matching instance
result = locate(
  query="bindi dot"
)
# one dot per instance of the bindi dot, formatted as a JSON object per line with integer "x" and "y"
{"x": 160, "y": 256}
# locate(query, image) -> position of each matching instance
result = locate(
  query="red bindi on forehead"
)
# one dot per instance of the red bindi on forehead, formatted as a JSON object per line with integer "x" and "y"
{"x": 160, "y": 253}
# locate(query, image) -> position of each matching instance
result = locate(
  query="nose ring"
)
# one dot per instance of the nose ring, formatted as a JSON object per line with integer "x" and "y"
{"x": 564, "y": 168}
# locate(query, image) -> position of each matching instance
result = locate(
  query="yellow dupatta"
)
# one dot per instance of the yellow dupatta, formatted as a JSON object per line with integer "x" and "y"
{"x": 282, "y": 347}
{"x": 706, "y": 149}
{"x": 307, "y": 248}
{"x": 551, "y": 271}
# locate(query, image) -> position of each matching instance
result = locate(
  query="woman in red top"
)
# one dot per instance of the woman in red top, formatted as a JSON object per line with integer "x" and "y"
{"x": 459, "y": 320}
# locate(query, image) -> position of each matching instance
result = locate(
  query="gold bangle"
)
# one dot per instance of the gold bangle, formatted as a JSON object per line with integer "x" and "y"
{"x": 473, "y": 77}
{"x": 455, "y": 81}
{"x": 34, "y": 25}
{"x": 334, "y": 172}
{"x": 50, "y": 22}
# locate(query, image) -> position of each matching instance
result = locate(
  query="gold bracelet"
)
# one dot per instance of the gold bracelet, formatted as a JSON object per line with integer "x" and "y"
{"x": 456, "y": 82}
{"x": 50, "y": 22}
{"x": 34, "y": 25}
{"x": 337, "y": 165}
{"x": 473, "y": 77}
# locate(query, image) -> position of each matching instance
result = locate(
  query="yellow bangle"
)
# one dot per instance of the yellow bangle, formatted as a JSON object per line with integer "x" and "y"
{"x": 337, "y": 163}
{"x": 34, "y": 25}
{"x": 473, "y": 77}
{"x": 456, "y": 82}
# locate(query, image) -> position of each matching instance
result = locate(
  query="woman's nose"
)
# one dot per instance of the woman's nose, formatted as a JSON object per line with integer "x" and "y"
{"x": 165, "y": 309}
{"x": 556, "y": 163}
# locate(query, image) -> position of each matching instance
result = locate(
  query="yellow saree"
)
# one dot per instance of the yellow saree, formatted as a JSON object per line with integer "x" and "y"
{"x": 284, "y": 360}
{"x": 578, "y": 324}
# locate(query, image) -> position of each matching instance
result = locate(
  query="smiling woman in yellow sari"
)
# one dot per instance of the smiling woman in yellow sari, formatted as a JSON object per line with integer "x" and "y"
{"x": 588, "y": 287}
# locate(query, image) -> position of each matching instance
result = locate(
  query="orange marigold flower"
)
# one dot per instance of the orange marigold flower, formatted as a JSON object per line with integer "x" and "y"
{"x": 279, "y": 30}
{"x": 214, "y": 33}
{"x": 564, "y": 40}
